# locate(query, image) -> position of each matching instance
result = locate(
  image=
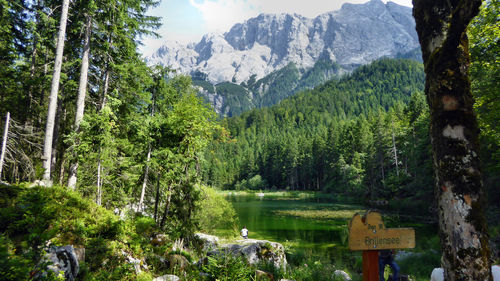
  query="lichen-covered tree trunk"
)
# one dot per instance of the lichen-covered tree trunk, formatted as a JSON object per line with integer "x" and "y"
{"x": 82, "y": 92}
{"x": 4, "y": 142}
{"x": 51, "y": 113}
{"x": 441, "y": 27}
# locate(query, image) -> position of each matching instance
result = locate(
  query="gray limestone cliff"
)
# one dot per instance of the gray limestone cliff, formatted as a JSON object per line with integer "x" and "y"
{"x": 354, "y": 35}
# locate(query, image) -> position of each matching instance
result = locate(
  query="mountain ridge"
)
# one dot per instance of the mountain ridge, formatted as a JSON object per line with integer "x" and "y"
{"x": 354, "y": 35}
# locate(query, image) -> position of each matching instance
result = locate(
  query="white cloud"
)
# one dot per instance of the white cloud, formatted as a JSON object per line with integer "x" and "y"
{"x": 221, "y": 15}
{"x": 184, "y": 25}
{"x": 309, "y": 8}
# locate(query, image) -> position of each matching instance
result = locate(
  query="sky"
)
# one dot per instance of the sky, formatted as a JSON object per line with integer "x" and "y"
{"x": 188, "y": 20}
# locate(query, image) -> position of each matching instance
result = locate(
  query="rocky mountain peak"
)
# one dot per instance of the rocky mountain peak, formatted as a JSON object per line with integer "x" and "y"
{"x": 354, "y": 35}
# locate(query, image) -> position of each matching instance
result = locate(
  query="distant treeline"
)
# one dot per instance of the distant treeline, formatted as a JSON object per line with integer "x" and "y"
{"x": 364, "y": 135}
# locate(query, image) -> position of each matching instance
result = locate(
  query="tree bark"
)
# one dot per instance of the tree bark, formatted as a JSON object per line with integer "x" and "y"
{"x": 157, "y": 200}
{"x": 148, "y": 158}
{"x": 51, "y": 114}
{"x": 145, "y": 181}
{"x": 441, "y": 27}
{"x": 395, "y": 151}
{"x": 55, "y": 137}
{"x": 4, "y": 143}
{"x": 167, "y": 207}
{"x": 99, "y": 182}
{"x": 82, "y": 92}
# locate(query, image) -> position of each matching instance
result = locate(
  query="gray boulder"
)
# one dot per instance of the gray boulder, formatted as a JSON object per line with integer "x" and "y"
{"x": 61, "y": 259}
{"x": 167, "y": 277}
{"x": 258, "y": 250}
{"x": 209, "y": 242}
{"x": 138, "y": 264}
{"x": 341, "y": 275}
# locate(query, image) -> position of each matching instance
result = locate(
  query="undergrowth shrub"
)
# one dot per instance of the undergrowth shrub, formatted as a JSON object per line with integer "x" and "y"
{"x": 228, "y": 268}
{"x": 215, "y": 213}
{"x": 32, "y": 217}
{"x": 420, "y": 265}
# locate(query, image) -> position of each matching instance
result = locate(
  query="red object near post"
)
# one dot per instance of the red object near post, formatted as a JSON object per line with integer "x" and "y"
{"x": 370, "y": 266}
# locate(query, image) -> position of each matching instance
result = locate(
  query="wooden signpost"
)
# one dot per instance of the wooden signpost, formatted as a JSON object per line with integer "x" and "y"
{"x": 368, "y": 233}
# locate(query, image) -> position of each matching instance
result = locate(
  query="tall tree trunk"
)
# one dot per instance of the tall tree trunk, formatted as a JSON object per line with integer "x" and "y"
{"x": 55, "y": 138}
{"x": 51, "y": 114}
{"x": 37, "y": 10}
{"x": 395, "y": 151}
{"x": 106, "y": 87}
{"x": 441, "y": 27}
{"x": 32, "y": 73}
{"x": 157, "y": 199}
{"x": 61, "y": 172}
{"x": 82, "y": 91}
{"x": 145, "y": 181}
{"x": 148, "y": 158}
{"x": 106, "y": 77}
{"x": 99, "y": 162}
{"x": 99, "y": 181}
{"x": 167, "y": 207}
{"x": 4, "y": 142}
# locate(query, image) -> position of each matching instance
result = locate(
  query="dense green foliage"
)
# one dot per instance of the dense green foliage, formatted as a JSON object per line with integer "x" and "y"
{"x": 268, "y": 90}
{"x": 30, "y": 217}
{"x": 143, "y": 130}
{"x": 33, "y": 217}
{"x": 147, "y": 140}
{"x": 227, "y": 267}
{"x": 139, "y": 145}
{"x": 237, "y": 99}
{"x": 215, "y": 215}
{"x": 342, "y": 137}
{"x": 484, "y": 32}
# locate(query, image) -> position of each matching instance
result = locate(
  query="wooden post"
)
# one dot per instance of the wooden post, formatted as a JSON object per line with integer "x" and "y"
{"x": 370, "y": 266}
{"x": 4, "y": 143}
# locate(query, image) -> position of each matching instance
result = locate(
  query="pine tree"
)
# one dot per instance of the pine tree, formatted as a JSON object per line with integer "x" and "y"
{"x": 51, "y": 114}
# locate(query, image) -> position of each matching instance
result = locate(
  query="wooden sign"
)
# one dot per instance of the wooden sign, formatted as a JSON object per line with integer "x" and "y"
{"x": 369, "y": 233}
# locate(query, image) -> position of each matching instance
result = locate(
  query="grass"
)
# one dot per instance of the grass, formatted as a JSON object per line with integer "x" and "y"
{"x": 294, "y": 194}
{"x": 269, "y": 194}
{"x": 324, "y": 214}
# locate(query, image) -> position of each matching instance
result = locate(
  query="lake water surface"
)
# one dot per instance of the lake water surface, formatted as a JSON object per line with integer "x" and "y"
{"x": 285, "y": 220}
{"x": 317, "y": 229}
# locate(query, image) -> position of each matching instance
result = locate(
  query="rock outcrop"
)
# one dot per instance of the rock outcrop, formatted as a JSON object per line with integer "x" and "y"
{"x": 61, "y": 259}
{"x": 209, "y": 242}
{"x": 138, "y": 264}
{"x": 438, "y": 273}
{"x": 341, "y": 275}
{"x": 167, "y": 277}
{"x": 256, "y": 251}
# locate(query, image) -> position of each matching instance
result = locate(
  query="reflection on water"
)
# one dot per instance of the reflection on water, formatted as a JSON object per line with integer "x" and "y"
{"x": 323, "y": 237}
{"x": 293, "y": 223}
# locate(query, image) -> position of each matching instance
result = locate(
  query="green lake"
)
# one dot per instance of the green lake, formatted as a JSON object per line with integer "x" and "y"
{"x": 316, "y": 226}
{"x": 283, "y": 220}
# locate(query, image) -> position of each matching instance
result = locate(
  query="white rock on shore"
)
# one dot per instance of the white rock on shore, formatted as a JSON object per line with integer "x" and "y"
{"x": 257, "y": 250}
